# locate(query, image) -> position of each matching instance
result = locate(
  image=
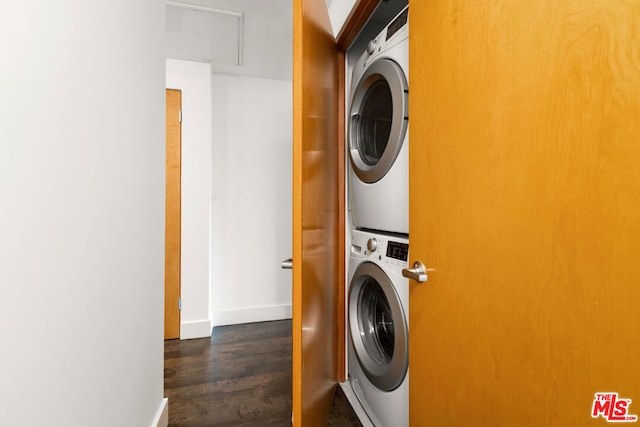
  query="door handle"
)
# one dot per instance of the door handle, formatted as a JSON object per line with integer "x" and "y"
{"x": 287, "y": 264}
{"x": 417, "y": 273}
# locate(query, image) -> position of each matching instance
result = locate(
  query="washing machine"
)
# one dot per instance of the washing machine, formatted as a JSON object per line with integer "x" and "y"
{"x": 377, "y": 132}
{"x": 378, "y": 337}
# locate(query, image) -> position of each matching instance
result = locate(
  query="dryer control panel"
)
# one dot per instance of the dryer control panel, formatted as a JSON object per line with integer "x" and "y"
{"x": 400, "y": 21}
{"x": 394, "y": 33}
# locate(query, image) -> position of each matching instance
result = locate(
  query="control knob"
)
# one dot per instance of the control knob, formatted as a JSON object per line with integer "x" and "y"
{"x": 371, "y": 47}
{"x": 372, "y": 244}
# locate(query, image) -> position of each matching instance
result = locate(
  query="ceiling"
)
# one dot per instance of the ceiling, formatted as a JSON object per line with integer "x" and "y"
{"x": 207, "y": 31}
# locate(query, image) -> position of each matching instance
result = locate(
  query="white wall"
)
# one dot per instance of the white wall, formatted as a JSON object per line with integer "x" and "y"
{"x": 81, "y": 213}
{"x": 194, "y": 80}
{"x": 266, "y": 40}
{"x": 339, "y": 11}
{"x": 251, "y": 199}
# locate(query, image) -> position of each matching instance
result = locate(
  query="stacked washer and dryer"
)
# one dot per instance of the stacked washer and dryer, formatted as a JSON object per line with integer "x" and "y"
{"x": 378, "y": 294}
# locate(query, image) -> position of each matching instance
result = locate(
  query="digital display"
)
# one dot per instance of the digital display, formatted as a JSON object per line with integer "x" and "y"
{"x": 397, "y": 23}
{"x": 398, "y": 250}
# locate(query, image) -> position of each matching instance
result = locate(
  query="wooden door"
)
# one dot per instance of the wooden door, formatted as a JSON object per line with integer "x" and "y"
{"x": 525, "y": 199}
{"x": 315, "y": 213}
{"x": 172, "y": 216}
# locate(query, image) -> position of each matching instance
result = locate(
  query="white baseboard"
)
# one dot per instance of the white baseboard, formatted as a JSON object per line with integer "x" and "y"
{"x": 199, "y": 329}
{"x": 251, "y": 314}
{"x": 162, "y": 416}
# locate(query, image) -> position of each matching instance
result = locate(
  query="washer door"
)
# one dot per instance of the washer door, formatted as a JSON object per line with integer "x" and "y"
{"x": 378, "y": 120}
{"x": 378, "y": 327}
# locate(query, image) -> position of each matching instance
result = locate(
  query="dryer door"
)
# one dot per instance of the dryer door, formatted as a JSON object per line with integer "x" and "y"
{"x": 378, "y": 327}
{"x": 378, "y": 119}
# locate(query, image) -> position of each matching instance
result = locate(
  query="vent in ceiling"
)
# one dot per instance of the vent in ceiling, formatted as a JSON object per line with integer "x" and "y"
{"x": 203, "y": 34}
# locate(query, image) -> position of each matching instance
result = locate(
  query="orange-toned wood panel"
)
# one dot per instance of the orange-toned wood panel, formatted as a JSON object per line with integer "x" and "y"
{"x": 315, "y": 213}
{"x": 525, "y": 198}
{"x": 172, "y": 216}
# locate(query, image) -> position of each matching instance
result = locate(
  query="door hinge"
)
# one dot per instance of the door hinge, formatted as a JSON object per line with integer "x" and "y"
{"x": 180, "y": 116}
{"x": 179, "y": 303}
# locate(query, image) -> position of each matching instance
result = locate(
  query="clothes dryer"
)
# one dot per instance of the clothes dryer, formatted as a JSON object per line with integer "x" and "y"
{"x": 378, "y": 333}
{"x": 378, "y": 131}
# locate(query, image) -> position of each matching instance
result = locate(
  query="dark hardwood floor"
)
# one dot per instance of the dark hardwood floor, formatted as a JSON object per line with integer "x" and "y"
{"x": 241, "y": 376}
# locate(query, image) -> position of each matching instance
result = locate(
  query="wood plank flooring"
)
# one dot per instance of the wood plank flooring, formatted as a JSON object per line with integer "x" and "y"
{"x": 241, "y": 376}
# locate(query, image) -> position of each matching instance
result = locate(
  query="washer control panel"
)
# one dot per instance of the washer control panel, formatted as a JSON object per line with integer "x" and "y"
{"x": 398, "y": 250}
{"x": 390, "y": 249}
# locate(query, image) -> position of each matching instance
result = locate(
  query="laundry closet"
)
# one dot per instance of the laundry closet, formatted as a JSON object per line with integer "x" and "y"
{"x": 377, "y": 218}
{"x": 522, "y": 215}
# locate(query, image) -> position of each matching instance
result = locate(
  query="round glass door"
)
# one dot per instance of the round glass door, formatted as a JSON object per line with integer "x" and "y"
{"x": 375, "y": 322}
{"x": 374, "y": 125}
{"x": 378, "y": 120}
{"x": 378, "y": 327}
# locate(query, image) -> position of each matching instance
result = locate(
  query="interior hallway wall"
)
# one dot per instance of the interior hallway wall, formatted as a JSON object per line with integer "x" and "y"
{"x": 194, "y": 80}
{"x": 82, "y": 213}
{"x": 251, "y": 199}
{"x": 339, "y": 11}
